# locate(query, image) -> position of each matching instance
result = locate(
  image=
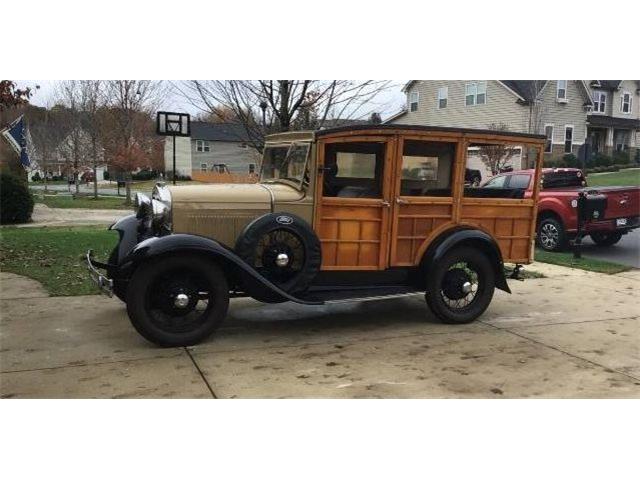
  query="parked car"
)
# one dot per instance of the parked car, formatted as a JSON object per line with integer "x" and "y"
{"x": 557, "y": 206}
{"x": 336, "y": 216}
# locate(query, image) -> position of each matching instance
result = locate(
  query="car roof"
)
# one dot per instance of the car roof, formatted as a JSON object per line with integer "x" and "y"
{"x": 544, "y": 170}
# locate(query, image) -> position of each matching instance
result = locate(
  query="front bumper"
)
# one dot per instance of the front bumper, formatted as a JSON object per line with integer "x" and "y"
{"x": 102, "y": 282}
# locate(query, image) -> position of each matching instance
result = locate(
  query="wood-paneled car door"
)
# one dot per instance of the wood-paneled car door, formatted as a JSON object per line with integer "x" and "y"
{"x": 353, "y": 192}
{"x": 423, "y": 195}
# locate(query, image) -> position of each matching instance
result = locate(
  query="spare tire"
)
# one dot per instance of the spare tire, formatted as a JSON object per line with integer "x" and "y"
{"x": 283, "y": 248}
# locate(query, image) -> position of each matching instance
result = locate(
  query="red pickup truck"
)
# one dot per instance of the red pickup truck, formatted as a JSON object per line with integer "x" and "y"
{"x": 557, "y": 206}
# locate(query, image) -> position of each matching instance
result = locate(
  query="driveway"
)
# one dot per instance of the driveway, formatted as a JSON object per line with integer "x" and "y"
{"x": 574, "y": 334}
{"x": 625, "y": 252}
{"x": 58, "y": 217}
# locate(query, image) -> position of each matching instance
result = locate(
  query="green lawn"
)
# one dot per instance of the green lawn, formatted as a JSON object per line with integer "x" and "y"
{"x": 566, "y": 259}
{"x": 622, "y": 178}
{"x": 55, "y": 256}
{"x": 67, "y": 201}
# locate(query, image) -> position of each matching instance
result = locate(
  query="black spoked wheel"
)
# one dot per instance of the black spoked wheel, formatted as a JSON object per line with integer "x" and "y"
{"x": 177, "y": 301}
{"x": 280, "y": 256}
{"x": 461, "y": 286}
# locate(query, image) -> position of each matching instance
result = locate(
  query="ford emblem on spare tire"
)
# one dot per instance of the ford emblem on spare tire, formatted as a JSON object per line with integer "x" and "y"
{"x": 284, "y": 219}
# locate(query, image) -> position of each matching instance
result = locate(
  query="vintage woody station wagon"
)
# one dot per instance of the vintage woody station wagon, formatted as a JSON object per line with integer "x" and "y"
{"x": 342, "y": 214}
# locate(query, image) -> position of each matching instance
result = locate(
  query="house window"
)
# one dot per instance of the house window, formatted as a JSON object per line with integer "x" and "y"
{"x": 476, "y": 93}
{"x": 443, "y": 94}
{"x": 568, "y": 138}
{"x": 599, "y": 101}
{"x": 252, "y": 168}
{"x": 562, "y": 90}
{"x": 203, "y": 167}
{"x": 625, "y": 102}
{"x": 202, "y": 146}
{"x": 548, "y": 132}
{"x": 413, "y": 101}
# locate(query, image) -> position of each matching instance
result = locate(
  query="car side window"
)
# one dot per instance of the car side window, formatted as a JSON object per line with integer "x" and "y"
{"x": 519, "y": 181}
{"x": 497, "y": 182}
{"x": 353, "y": 169}
{"x": 426, "y": 168}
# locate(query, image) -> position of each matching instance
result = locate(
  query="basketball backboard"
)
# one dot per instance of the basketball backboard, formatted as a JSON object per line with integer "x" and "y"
{"x": 173, "y": 124}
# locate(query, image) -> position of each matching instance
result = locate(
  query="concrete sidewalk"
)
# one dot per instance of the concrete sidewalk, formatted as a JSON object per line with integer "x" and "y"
{"x": 44, "y": 216}
{"x": 574, "y": 334}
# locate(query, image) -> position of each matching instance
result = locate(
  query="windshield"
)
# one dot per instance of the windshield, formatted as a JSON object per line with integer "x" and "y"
{"x": 285, "y": 162}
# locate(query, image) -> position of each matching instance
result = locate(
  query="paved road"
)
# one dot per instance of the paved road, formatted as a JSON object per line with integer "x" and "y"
{"x": 573, "y": 334}
{"x": 625, "y": 252}
{"x": 107, "y": 189}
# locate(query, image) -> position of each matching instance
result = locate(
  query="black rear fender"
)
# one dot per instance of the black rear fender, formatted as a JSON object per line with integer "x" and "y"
{"x": 465, "y": 237}
{"x": 237, "y": 271}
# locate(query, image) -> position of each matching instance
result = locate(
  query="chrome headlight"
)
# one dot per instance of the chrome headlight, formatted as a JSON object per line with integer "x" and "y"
{"x": 143, "y": 205}
{"x": 161, "y": 206}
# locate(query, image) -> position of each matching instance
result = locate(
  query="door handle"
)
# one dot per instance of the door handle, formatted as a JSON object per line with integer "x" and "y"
{"x": 386, "y": 204}
{"x": 401, "y": 201}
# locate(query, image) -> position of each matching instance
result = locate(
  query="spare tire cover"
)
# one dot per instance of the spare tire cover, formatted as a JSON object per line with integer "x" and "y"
{"x": 274, "y": 234}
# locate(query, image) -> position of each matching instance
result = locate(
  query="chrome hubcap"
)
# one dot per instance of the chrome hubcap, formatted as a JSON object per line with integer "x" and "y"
{"x": 549, "y": 235}
{"x": 282, "y": 260}
{"x": 466, "y": 287}
{"x": 181, "y": 300}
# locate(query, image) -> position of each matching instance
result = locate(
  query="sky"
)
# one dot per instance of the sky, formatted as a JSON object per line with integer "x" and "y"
{"x": 389, "y": 102}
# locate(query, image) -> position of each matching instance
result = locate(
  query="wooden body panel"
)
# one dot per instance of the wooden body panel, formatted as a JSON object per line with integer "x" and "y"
{"x": 395, "y": 231}
{"x": 354, "y": 232}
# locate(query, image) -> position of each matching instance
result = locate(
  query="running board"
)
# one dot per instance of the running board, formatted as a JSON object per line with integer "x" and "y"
{"x": 371, "y": 299}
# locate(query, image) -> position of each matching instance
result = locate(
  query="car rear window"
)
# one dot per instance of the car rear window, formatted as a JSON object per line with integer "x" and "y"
{"x": 559, "y": 179}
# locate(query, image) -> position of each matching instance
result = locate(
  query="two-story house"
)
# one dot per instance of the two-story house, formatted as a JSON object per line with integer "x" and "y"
{"x": 614, "y": 121}
{"x": 563, "y": 110}
{"x": 212, "y": 147}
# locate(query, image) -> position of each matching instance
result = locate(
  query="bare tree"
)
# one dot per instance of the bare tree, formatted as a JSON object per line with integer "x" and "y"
{"x": 127, "y": 127}
{"x": 537, "y": 109}
{"x": 75, "y": 148}
{"x": 496, "y": 156}
{"x": 47, "y": 132}
{"x": 269, "y": 106}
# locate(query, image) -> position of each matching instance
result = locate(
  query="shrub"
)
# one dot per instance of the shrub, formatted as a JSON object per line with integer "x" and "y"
{"x": 36, "y": 177}
{"x": 570, "y": 160}
{"x": 16, "y": 203}
{"x": 621, "y": 158}
{"x": 145, "y": 175}
{"x": 105, "y": 175}
{"x": 601, "y": 160}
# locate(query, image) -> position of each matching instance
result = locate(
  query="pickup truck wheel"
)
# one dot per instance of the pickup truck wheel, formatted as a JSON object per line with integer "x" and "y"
{"x": 177, "y": 301}
{"x": 551, "y": 235}
{"x": 605, "y": 239}
{"x": 461, "y": 285}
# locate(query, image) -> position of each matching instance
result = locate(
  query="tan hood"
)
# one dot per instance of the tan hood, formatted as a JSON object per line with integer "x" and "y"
{"x": 221, "y": 210}
{"x": 233, "y": 196}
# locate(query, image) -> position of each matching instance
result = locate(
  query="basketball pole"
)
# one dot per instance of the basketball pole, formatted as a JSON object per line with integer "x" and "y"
{"x": 174, "y": 159}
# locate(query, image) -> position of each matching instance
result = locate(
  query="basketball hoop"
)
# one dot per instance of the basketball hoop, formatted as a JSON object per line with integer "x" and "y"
{"x": 172, "y": 124}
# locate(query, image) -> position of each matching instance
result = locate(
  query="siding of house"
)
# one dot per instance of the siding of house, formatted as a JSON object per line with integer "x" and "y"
{"x": 630, "y": 86}
{"x": 573, "y": 112}
{"x": 183, "y": 155}
{"x": 500, "y": 107}
{"x": 236, "y": 157}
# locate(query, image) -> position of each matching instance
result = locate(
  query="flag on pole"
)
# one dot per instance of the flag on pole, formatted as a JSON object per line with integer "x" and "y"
{"x": 18, "y": 136}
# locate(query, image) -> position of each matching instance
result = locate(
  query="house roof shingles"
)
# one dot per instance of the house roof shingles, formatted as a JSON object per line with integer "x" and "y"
{"x": 219, "y": 132}
{"x": 527, "y": 89}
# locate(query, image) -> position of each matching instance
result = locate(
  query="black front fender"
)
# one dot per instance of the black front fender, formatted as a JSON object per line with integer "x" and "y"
{"x": 128, "y": 228}
{"x": 470, "y": 237}
{"x": 251, "y": 281}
